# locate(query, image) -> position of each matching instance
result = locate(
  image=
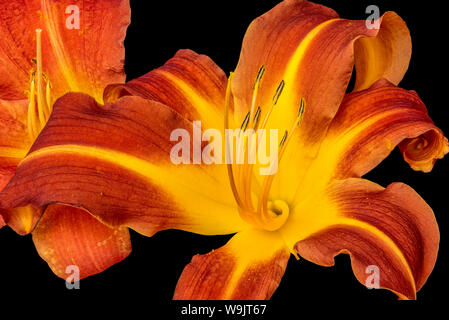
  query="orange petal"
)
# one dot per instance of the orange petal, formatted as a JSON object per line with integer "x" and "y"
{"x": 67, "y": 236}
{"x": 117, "y": 166}
{"x": 392, "y": 229}
{"x": 367, "y": 127}
{"x": 82, "y": 59}
{"x": 307, "y": 47}
{"x": 2, "y": 222}
{"x": 271, "y": 41}
{"x": 191, "y": 84}
{"x": 14, "y": 145}
{"x": 308, "y": 52}
{"x": 370, "y": 123}
{"x": 22, "y": 219}
{"x": 249, "y": 267}
{"x": 385, "y": 56}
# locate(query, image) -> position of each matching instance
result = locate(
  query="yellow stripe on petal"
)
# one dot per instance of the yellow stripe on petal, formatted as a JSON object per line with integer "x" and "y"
{"x": 15, "y": 153}
{"x": 144, "y": 168}
{"x": 291, "y": 71}
{"x": 253, "y": 246}
{"x": 186, "y": 186}
{"x": 291, "y": 94}
{"x": 211, "y": 117}
{"x": 382, "y": 237}
{"x": 125, "y": 174}
{"x": 249, "y": 267}
{"x": 391, "y": 228}
{"x": 189, "y": 83}
{"x": 58, "y": 46}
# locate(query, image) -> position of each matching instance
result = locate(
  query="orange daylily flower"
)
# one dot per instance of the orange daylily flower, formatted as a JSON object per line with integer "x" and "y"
{"x": 49, "y": 48}
{"x": 113, "y": 160}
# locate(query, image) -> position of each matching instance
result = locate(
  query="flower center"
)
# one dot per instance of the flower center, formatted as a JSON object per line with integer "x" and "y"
{"x": 257, "y": 207}
{"x": 39, "y": 96}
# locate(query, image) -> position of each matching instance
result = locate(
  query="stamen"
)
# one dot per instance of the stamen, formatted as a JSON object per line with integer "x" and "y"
{"x": 256, "y": 89}
{"x": 244, "y": 125}
{"x": 278, "y": 92}
{"x": 41, "y": 99}
{"x": 248, "y": 167}
{"x": 302, "y": 107}
{"x": 243, "y": 171}
{"x": 298, "y": 120}
{"x": 259, "y": 76}
{"x": 247, "y": 181}
{"x": 269, "y": 215}
{"x": 274, "y": 102}
{"x": 32, "y": 110}
{"x": 257, "y": 118}
{"x": 48, "y": 98}
{"x": 284, "y": 138}
{"x": 244, "y": 174}
{"x": 39, "y": 96}
{"x": 266, "y": 186}
{"x": 263, "y": 199}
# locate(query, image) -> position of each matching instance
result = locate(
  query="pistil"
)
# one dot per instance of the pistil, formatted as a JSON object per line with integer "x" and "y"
{"x": 39, "y": 95}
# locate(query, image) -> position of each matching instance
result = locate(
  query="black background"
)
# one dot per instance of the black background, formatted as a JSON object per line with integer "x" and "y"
{"x": 148, "y": 277}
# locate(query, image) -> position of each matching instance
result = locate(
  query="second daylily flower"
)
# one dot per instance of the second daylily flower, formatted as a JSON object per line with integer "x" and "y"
{"x": 295, "y": 65}
{"x": 49, "y": 48}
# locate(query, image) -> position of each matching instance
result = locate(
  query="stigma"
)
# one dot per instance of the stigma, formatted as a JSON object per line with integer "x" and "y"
{"x": 255, "y": 204}
{"x": 39, "y": 95}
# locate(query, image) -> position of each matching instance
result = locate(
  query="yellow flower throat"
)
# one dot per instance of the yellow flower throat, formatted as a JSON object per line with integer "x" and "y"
{"x": 256, "y": 207}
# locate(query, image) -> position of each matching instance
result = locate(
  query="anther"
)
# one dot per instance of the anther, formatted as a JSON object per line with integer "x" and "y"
{"x": 259, "y": 76}
{"x": 284, "y": 138}
{"x": 278, "y": 92}
{"x": 302, "y": 107}
{"x": 245, "y": 123}
{"x": 256, "y": 91}
{"x": 257, "y": 117}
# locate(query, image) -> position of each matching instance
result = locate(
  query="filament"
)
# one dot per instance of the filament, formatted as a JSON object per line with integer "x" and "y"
{"x": 39, "y": 95}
